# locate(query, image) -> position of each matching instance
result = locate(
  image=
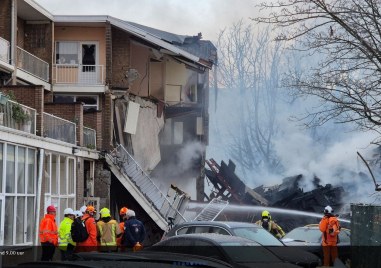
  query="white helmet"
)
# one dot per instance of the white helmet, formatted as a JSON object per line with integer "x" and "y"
{"x": 78, "y": 213}
{"x": 328, "y": 210}
{"x": 68, "y": 211}
{"x": 83, "y": 209}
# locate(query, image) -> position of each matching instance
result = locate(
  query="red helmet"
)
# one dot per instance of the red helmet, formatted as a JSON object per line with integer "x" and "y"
{"x": 123, "y": 211}
{"x": 51, "y": 208}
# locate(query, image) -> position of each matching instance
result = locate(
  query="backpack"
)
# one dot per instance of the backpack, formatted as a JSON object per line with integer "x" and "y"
{"x": 78, "y": 230}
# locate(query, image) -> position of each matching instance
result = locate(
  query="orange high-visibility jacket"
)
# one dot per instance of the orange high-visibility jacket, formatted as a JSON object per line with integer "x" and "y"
{"x": 330, "y": 228}
{"x": 48, "y": 230}
{"x": 119, "y": 239}
{"x": 90, "y": 243}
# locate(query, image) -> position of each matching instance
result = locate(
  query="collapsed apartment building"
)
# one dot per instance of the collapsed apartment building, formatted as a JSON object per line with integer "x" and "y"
{"x": 286, "y": 195}
{"x": 95, "y": 110}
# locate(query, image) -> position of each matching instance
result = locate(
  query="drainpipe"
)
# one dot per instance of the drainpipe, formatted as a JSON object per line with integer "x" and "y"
{"x": 39, "y": 183}
{"x": 13, "y": 40}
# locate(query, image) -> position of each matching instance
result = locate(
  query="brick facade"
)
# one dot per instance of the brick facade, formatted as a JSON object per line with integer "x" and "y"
{"x": 108, "y": 122}
{"x": 39, "y": 41}
{"x": 120, "y": 58}
{"x": 5, "y": 19}
{"x": 94, "y": 120}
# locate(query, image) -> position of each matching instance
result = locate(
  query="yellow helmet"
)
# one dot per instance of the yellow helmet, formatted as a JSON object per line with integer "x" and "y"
{"x": 265, "y": 213}
{"x": 105, "y": 212}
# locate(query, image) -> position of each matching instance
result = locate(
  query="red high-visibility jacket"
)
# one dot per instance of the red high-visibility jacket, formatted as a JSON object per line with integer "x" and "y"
{"x": 48, "y": 230}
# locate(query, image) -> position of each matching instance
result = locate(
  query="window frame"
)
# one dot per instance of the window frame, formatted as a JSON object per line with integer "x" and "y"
{"x": 15, "y": 235}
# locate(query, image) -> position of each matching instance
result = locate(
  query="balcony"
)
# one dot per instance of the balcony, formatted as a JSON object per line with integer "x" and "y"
{"x": 78, "y": 74}
{"x": 59, "y": 129}
{"x": 17, "y": 116}
{"x": 89, "y": 138}
{"x": 4, "y": 50}
{"x": 32, "y": 65}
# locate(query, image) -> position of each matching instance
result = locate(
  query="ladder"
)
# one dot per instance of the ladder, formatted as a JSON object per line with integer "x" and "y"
{"x": 212, "y": 210}
{"x": 143, "y": 188}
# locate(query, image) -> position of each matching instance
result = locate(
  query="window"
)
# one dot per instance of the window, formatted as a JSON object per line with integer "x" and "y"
{"x": 19, "y": 193}
{"x": 60, "y": 175}
{"x": 67, "y": 52}
{"x": 90, "y": 102}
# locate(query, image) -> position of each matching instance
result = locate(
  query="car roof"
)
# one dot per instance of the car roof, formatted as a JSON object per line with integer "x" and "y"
{"x": 229, "y": 224}
{"x": 316, "y": 226}
{"x": 219, "y": 238}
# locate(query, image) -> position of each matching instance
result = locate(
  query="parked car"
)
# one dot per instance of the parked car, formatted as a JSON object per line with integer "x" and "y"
{"x": 148, "y": 259}
{"x": 309, "y": 238}
{"x": 249, "y": 231}
{"x": 237, "y": 251}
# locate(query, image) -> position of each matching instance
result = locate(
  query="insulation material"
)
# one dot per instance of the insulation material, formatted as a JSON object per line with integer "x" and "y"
{"x": 132, "y": 117}
{"x": 145, "y": 142}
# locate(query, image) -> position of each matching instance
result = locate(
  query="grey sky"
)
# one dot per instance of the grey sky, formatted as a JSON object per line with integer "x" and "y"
{"x": 177, "y": 16}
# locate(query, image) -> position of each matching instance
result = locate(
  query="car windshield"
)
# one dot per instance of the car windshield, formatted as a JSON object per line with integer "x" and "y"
{"x": 304, "y": 234}
{"x": 248, "y": 253}
{"x": 259, "y": 235}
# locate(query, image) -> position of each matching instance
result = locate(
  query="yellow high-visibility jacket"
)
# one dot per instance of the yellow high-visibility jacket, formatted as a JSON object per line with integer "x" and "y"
{"x": 64, "y": 234}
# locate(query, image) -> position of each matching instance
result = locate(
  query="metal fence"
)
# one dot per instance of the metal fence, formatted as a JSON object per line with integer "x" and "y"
{"x": 4, "y": 50}
{"x": 32, "y": 64}
{"x": 59, "y": 129}
{"x": 17, "y": 116}
{"x": 366, "y": 235}
{"x": 89, "y": 138}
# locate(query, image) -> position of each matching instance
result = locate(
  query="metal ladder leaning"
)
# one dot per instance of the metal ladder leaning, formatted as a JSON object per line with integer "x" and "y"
{"x": 212, "y": 210}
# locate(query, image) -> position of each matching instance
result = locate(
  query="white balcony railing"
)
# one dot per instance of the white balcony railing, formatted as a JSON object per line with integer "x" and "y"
{"x": 78, "y": 74}
{"x": 89, "y": 138}
{"x": 4, "y": 50}
{"x": 17, "y": 116}
{"x": 31, "y": 64}
{"x": 59, "y": 129}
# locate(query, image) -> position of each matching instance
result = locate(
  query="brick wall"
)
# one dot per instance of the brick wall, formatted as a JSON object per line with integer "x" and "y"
{"x": 70, "y": 111}
{"x": 108, "y": 121}
{"x": 94, "y": 120}
{"x": 108, "y": 54}
{"x": 39, "y": 41}
{"x": 120, "y": 58}
{"x": 5, "y": 19}
{"x": 102, "y": 183}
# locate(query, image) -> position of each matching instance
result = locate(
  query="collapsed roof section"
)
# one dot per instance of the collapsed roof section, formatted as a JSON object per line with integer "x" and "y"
{"x": 288, "y": 194}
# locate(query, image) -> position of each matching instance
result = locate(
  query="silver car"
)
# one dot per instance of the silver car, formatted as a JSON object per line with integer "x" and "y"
{"x": 249, "y": 231}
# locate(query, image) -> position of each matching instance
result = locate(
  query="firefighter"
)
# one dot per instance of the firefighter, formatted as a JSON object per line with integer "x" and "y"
{"x": 122, "y": 213}
{"x": 134, "y": 232}
{"x": 48, "y": 234}
{"x": 267, "y": 223}
{"x": 90, "y": 244}
{"x": 108, "y": 230}
{"x": 330, "y": 227}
